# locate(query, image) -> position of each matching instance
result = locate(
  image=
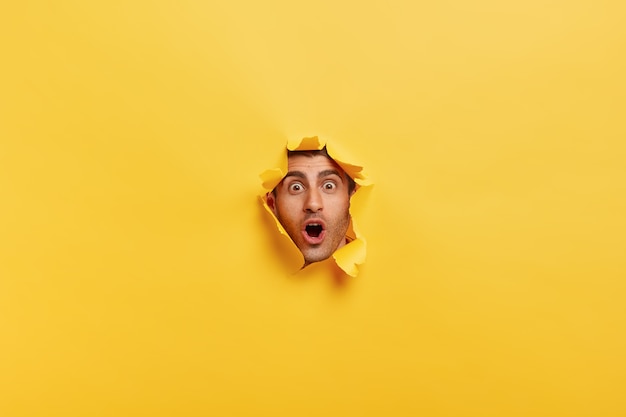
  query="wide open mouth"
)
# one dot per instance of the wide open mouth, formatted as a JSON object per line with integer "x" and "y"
{"x": 314, "y": 229}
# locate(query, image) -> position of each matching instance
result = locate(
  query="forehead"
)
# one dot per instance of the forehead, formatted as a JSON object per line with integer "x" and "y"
{"x": 312, "y": 163}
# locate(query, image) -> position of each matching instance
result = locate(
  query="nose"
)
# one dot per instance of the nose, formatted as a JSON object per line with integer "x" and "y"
{"x": 313, "y": 201}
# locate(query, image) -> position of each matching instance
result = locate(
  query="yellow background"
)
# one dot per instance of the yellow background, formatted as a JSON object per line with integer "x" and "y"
{"x": 137, "y": 271}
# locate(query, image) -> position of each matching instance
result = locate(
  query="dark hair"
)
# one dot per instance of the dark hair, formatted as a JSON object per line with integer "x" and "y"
{"x": 322, "y": 152}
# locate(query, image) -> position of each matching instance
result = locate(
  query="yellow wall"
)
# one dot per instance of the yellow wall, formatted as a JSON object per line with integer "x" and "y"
{"x": 138, "y": 275}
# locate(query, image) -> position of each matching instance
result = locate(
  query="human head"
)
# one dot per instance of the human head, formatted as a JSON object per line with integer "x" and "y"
{"x": 312, "y": 203}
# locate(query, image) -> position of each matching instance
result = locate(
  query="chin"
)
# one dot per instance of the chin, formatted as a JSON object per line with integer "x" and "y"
{"x": 315, "y": 258}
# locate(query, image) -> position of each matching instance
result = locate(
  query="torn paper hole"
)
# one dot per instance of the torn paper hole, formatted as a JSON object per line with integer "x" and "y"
{"x": 309, "y": 195}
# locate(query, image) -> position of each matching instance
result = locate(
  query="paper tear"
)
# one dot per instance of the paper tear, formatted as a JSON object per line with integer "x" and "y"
{"x": 272, "y": 177}
{"x": 312, "y": 143}
{"x": 352, "y": 253}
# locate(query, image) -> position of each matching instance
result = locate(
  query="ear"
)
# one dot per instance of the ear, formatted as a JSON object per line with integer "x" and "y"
{"x": 356, "y": 187}
{"x": 271, "y": 201}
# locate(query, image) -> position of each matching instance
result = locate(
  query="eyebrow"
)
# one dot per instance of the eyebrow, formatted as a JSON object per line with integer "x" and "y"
{"x": 298, "y": 174}
{"x": 321, "y": 174}
{"x": 328, "y": 172}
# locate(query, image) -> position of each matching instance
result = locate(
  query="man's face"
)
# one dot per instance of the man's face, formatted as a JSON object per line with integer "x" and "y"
{"x": 312, "y": 203}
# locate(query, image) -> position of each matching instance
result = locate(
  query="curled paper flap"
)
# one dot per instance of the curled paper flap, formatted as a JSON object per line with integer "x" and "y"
{"x": 341, "y": 157}
{"x": 306, "y": 144}
{"x": 352, "y": 253}
{"x": 273, "y": 176}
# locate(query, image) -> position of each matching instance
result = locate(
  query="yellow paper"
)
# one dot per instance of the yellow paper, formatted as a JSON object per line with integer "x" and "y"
{"x": 140, "y": 275}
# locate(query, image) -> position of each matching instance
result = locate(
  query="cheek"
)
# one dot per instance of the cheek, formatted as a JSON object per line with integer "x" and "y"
{"x": 287, "y": 207}
{"x": 340, "y": 206}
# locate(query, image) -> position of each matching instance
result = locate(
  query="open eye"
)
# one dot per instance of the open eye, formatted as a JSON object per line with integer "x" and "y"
{"x": 295, "y": 187}
{"x": 329, "y": 186}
